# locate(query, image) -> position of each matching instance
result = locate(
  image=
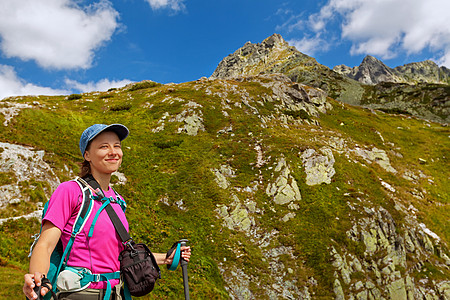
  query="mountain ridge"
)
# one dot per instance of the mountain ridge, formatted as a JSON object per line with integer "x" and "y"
{"x": 354, "y": 86}
{"x": 373, "y": 71}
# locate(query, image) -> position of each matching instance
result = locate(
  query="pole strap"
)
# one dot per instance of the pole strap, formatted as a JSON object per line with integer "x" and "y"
{"x": 176, "y": 258}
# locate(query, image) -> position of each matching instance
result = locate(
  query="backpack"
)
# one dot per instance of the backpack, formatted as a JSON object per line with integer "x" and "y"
{"x": 58, "y": 256}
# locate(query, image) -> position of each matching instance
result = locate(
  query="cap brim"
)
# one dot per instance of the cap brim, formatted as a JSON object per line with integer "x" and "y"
{"x": 121, "y": 131}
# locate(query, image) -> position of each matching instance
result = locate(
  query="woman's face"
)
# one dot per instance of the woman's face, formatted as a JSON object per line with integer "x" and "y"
{"x": 105, "y": 153}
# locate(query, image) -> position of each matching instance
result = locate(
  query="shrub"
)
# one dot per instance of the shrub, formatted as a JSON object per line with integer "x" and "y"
{"x": 74, "y": 97}
{"x": 298, "y": 114}
{"x": 167, "y": 144}
{"x": 144, "y": 85}
{"x": 396, "y": 111}
{"x": 121, "y": 107}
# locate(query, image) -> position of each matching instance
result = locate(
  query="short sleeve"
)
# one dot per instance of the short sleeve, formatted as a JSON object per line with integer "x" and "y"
{"x": 64, "y": 204}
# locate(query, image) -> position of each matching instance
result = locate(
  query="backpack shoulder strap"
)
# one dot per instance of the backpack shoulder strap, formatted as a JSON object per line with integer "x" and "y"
{"x": 86, "y": 206}
{"x": 80, "y": 221}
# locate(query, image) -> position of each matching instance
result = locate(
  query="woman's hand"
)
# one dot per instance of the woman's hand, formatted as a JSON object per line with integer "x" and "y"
{"x": 31, "y": 281}
{"x": 185, "y": 252}
{"x": 161, "y": 258}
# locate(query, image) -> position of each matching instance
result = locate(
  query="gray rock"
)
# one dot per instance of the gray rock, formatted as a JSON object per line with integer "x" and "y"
{"x": 285, "y": 189}
{"x": 318, "y": 166}
{"x": 397, "y": 290}
{"x": 222, "y": 174}
{"x": 376, "y": 155}
{"x": 338, "y": 291}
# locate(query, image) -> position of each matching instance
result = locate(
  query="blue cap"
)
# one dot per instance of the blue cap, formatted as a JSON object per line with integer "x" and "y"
{"x": 91, "y": 132}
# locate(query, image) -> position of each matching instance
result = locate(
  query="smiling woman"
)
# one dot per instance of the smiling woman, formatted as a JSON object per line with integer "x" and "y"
{"x": 101, "y": 148}
{"x": 104, "y": 155}
{"x": 92, "y": 267}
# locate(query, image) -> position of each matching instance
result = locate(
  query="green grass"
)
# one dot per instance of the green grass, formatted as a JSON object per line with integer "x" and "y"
{"x": 163, "y": 168}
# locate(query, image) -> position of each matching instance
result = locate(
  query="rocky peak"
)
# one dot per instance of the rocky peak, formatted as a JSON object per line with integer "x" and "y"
{"x": 373, "y": 71}
{"x": 254, "y": 59}
{"x": 370, "y": 71}
{"x": 275, "y": 40}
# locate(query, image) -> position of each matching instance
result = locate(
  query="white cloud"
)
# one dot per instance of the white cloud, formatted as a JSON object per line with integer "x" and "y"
{"x": 387, "y": 28}
{"x": 310, "y": 46}
{"x": 57, "y": 34}
{"x": 101, "y": 85}
{"x": 12, "y": 85}
{"x": 174, "y": 5}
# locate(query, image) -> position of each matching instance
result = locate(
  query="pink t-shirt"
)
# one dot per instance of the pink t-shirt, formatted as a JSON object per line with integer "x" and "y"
{"x": 100, "y": 252}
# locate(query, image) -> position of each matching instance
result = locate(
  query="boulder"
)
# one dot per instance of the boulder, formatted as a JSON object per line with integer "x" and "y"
{"x": 318, "y": 165}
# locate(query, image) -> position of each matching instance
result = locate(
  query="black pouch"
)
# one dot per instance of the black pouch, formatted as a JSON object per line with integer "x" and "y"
{"x": 138, "y": 269}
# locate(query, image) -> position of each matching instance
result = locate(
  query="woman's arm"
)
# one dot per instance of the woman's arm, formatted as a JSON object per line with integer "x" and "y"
{"x": 162, "y": 260}
{"x": 40, "y": 258}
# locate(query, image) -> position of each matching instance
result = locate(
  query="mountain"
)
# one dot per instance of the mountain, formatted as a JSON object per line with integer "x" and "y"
{"x": 282, "y": 191}
{"x": 373, "y": 84}
{"x": 373, "y": 71}
{"x": 274, "y": 55}
{"x": 370, "y": 71}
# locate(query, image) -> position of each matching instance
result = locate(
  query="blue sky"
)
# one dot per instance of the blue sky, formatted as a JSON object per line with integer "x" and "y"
{"x": 57, "y": 47}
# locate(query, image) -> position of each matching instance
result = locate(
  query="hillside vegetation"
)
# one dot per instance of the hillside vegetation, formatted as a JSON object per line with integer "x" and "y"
{"x": 283, "y": 192}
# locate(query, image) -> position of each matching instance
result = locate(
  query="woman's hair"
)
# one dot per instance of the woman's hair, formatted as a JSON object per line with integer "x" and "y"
{"x": 85, "y": 169}
{"x": 85, "y": 166}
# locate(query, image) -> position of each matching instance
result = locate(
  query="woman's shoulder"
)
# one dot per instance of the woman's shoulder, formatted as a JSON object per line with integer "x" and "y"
{"x": 68, "y": 187}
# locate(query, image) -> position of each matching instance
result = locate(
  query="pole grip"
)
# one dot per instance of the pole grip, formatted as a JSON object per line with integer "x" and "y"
{"x": 184, "y": 265}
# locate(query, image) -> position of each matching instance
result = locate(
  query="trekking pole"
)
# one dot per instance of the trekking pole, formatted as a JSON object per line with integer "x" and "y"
{"x": 184, "y": 265}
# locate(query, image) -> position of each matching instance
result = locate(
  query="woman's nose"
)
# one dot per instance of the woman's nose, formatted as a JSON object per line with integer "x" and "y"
{"x": 112, "y": 151}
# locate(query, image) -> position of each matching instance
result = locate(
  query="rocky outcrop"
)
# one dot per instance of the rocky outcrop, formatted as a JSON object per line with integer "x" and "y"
{"x": 191, "y": 119}
{"x": 424, "y": 72}
{"x": 424, "y": 100}
{"x": 376, "y": 155}
{"x": 392, "y": 253}
{"x": 318, "y": 165}
{"x": 25, "y": 166}
{"x": 254, "y": 59}
{"x": 284, "y": 189}
{"x": 10, "y": 109}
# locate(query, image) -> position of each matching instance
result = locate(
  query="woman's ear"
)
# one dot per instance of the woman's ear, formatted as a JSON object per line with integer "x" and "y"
{"x": 86, "y": 156}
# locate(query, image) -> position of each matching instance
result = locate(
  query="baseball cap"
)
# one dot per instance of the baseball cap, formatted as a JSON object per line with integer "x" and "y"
{"x": 91, "y": 132}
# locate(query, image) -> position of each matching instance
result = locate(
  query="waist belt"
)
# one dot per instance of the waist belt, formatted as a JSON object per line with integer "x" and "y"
{"x": 87, "y": 277}
{"x": 87, "y": 294}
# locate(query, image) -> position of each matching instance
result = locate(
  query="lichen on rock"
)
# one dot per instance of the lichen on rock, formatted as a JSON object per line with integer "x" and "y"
{"x": 285, "y": 189}
{"x": 318, "y": 165}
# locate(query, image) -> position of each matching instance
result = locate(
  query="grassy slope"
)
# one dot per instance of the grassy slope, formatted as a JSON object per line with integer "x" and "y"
{"x": 167, "y": 166}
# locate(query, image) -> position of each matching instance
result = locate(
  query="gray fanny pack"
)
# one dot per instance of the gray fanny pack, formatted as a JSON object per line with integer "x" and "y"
{"x": 73, "y": 279}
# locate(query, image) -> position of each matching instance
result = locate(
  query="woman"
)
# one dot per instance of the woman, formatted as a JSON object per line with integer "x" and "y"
{"x": 100, "y": 145}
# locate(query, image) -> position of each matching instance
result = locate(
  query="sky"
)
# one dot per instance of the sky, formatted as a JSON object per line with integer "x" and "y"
{"x": 60, "y": 47}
